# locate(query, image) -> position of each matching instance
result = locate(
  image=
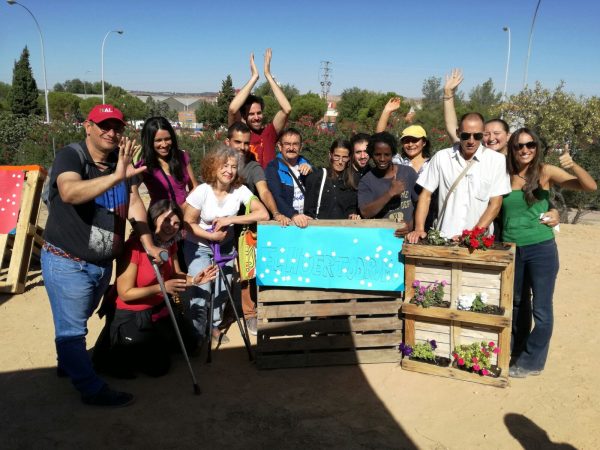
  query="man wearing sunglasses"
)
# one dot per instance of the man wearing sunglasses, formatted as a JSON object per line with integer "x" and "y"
{"x": 89, "y": 201}
{"x": 471, "y": 180}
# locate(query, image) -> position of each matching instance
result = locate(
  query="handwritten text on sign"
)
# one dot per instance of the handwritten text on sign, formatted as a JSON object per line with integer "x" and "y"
{"x": 329, "y": 257}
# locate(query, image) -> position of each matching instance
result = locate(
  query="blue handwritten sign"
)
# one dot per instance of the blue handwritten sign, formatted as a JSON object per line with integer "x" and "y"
{"x": 329, "y": 258}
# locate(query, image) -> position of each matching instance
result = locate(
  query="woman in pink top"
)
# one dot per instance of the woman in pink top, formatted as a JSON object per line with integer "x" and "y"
{"x": 169, "y": 175}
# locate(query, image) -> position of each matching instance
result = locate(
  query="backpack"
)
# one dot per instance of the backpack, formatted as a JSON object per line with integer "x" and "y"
{"x": 47, "y": 187}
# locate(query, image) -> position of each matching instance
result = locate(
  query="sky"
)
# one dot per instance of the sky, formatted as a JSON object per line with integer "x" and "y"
{"x": 191, "y": 46}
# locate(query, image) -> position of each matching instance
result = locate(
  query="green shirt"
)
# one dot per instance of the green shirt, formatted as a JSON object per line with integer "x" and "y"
{"x": 521, "y": 222}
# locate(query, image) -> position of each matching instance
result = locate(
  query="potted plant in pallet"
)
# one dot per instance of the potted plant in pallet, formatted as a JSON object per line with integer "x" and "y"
{"x": 478, "y": 303}
{"x": 424, "y": 352}
{"x": 430, "y": 295}
{"x": 476, "y": 358}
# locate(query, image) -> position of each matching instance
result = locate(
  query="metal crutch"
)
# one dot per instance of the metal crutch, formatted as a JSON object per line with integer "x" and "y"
{"x": 164, "y": 255}
{"x": 215, "y": 249}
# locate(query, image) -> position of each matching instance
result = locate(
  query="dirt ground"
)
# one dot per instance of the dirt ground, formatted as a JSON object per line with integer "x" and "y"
{"x": 368, "y": 406}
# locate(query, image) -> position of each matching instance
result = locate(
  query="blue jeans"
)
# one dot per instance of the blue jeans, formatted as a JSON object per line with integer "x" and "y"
{"x": 197, "y": 257}
{"x": 537, "y": 265}
{"x": 74, "y": 289}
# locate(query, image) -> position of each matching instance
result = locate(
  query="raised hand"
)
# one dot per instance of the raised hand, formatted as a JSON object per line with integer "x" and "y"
{"x": 268, "y": 55}
{"x": 565, "y": 159}
{"x": 125, "y": 167}
{"x": 453, "y": 80}
{"x": 253, "y": 69}
{"x": 392, "y": 105}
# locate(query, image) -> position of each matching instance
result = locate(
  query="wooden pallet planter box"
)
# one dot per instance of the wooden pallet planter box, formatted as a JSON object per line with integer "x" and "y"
{"x": 466, "y": 272}
{"x": 314, "y": 327}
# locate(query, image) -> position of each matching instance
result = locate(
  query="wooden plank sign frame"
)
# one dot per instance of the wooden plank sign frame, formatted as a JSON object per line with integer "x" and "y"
{"x": 318, "y": 326}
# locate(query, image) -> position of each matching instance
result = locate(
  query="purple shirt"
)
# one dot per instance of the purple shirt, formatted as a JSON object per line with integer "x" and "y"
{"x": 157, "y": 185}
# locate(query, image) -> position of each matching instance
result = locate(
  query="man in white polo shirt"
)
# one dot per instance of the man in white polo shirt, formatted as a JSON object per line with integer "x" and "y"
{"x": 477, "y": 198}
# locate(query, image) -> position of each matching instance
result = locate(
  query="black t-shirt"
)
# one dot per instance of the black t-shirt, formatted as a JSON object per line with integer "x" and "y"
{"x": 371, "y": 187}
{"x": 93, "y": 231}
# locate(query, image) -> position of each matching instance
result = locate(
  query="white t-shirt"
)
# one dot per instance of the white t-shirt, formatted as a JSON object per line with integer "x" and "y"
{"x": 298, "y": 203}
{"x": 211, "y": 208}
{"x": 485, "y": 179}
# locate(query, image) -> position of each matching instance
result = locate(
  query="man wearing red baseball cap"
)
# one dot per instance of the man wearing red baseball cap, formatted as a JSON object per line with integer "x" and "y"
{"x": 89, "y": 201}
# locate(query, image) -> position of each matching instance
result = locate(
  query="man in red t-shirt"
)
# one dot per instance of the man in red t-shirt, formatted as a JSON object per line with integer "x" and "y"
{"x": 249, "y": 108}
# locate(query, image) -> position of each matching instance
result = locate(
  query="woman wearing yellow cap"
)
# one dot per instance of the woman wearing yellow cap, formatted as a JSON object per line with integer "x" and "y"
{"x": 415, "y": 145}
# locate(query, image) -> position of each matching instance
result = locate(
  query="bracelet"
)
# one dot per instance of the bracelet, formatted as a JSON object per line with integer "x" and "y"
{"x": 449, "y": 97}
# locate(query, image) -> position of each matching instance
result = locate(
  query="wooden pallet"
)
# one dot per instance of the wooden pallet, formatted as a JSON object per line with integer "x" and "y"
{"x": 16, "y": 250}
{"x": 489, "y": 271}
{"x": 312, "y": 327}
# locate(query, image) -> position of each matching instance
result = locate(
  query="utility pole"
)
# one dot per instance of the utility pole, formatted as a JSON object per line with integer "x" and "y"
{"x": 324, "y": 74}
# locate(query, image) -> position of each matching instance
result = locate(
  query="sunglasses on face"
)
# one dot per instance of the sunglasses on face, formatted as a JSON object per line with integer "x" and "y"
{"x": 105, "y": 127}
{"x": 410, "y": 140}
{"x": 466, "y": 136}
{"x": 530, "y": 145}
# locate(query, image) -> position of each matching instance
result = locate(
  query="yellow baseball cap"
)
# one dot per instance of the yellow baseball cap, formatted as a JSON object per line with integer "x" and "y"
{"x": 416, "y": 131}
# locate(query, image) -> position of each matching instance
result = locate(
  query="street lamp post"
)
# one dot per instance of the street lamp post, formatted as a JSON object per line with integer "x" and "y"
{"x": 102, "y": 62}
{"x": 529, "y": 47}
{"x": 507, "y": 64}
{"x": 14, "y": 2}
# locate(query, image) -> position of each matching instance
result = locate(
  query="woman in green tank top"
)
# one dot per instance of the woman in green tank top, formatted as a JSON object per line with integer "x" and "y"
{"x": 536, "y": 263}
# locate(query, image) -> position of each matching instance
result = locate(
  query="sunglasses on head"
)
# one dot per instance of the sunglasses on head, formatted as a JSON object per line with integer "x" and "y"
{"x": 466, "y": 136}
{"x": 530, "y": 145}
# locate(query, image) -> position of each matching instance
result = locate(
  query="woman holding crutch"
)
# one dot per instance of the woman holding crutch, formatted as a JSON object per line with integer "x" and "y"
{"x": 142, "y": 335}
{"x": 210, "y": 213}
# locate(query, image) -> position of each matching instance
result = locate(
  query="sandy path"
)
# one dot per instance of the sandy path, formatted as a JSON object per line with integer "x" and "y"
{"x": 371, "y": 406}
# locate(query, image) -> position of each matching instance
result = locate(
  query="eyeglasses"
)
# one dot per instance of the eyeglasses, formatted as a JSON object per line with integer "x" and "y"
{"x": 291, "y": 144}
{"x": 340, "y": 157}
{"x": 466, "y": 136}
{"x": 530, "y": 145}
{"x": 106, "y": 127}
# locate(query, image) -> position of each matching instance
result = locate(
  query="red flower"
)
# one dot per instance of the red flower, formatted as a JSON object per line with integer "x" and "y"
{"x": 474, "y": 243}
{"x": 496, "y": 350}
{"x": 476, "y": 367}
{"x": 455, "y": 355}
{"x": 491, "y": 344}
{"x": 478, "y": 231}
{"x": 461, "y": 362}
{"x": 465, "y": 233}
{"x": 485, "y": 372}
{"x": 474, "y": 359}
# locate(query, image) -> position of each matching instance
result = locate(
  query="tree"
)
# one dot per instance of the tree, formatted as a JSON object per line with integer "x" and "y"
{"x": 208, "y": 114}
{"x": 86, "y": 105}
{"x": 264, "y": 89}
{"x": 58, "y": 87}
{"x": 224, "y": 98}
{"x": 483, "y": 98}
{"x": 23, "y": 99}
{"x": 432, "y": 93}
{"x": 4, "y": 94}
{"x": 132, "y": 107}
{"x": 308, "y": 105}
{"x": 64, "y": 105}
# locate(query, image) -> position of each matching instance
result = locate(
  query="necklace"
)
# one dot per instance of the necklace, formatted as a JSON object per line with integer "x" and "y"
{"x": 521, "y": 177}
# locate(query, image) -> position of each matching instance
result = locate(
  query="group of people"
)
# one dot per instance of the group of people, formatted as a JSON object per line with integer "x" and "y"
{"x": 258, "y": 173}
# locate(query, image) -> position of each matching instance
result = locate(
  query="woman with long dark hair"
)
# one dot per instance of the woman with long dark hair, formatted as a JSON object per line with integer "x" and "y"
{"x": 169, "y": 172}
{"x": 536, "y": 263}
{"x": 331, "y": 192}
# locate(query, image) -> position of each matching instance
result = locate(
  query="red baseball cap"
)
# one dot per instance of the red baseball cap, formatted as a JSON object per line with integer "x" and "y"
{"x": 100, "y": 113}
